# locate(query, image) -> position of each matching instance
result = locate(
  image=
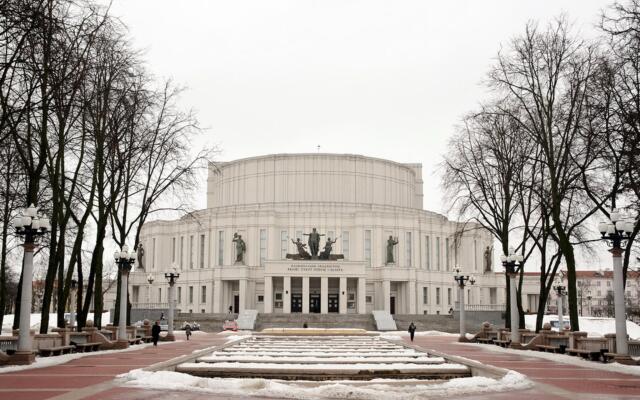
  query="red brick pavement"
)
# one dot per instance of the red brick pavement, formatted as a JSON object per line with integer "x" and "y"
{"x": 92, "y": 376}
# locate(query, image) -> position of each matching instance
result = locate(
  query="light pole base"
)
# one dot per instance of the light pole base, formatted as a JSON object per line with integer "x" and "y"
{"x": 169, "y": 337}
{"x": 625, "y": 359}
{"x": 22, "y": 358}
{"x": 120, "y": 344}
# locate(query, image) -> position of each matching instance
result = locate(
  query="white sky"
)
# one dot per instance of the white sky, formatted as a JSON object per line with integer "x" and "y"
{"x": 388, "y": 79}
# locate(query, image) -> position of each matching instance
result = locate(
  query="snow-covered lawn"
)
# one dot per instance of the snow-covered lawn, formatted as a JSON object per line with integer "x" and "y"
{"x": 594, "y": 326}
{"x": 7, "y": 322}
{"x": 377, "y": 388}
{"x": 562, "y": 358}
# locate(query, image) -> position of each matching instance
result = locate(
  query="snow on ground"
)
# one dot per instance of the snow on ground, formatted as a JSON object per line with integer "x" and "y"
{"x": 377, "y": 388}
{"x": 563, "y": 358}
{"x": 594, "y": 326}
{"x": 42, "y": 362}
{"x": 327, "y": 365}
{"x": 7, "y": 322}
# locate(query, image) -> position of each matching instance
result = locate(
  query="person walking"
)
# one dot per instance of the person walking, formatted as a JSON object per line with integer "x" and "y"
{"x": 155, "y": 333}
{"x": 412, "y": 330}
{"x": 187, "y": 331}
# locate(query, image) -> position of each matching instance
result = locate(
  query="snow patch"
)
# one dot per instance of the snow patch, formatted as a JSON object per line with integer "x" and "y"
{"x": 594, "y": 326}
{"x": 303, "y": 390}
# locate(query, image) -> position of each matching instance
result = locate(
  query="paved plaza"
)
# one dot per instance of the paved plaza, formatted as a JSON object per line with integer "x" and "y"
{"x": 93, "y": 376}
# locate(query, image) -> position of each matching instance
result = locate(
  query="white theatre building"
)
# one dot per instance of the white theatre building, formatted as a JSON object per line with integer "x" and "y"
{"x": 272, "y": 199}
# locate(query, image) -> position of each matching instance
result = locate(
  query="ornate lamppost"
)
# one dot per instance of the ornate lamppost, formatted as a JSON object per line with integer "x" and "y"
{"x": 616, "y": 233}
{"x": 150, "y": 280}
{"x": 461, "y": 281}
{"x": 31, "y": 227}
{"x": 510, "y": 262}
{"x": 589, "y": 297}
{"x": 561, "y": 291}
{"x": 125, "y": 261}
{"x": 172, "y": 277}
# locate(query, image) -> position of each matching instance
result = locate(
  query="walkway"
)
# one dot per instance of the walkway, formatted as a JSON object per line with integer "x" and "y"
{"x": 552, "y": 380}
{"x": 92, "y": 376}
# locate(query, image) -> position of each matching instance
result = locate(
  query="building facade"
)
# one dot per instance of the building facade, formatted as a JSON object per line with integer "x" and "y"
{"x": 357, "y": 201}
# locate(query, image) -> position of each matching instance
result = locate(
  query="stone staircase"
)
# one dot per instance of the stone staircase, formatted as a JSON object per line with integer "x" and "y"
{"x": 360, "y": 321}
{"x": 443, "y": 323}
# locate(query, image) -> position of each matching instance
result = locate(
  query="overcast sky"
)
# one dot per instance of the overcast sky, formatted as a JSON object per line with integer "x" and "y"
{"x": 389, "y": 79}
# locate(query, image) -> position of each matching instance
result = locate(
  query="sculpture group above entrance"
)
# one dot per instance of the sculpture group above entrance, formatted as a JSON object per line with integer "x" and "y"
{"x": 314, "y": 248}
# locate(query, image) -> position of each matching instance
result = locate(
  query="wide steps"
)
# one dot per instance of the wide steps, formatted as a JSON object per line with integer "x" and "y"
{"x": 322, "y": 358}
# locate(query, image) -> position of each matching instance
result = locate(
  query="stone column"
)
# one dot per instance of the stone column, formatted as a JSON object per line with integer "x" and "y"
{"x": 515, "y": 336}
{"x": 324, "y": 295}
{"x": 412, "y": 297}
{"x": 622, "y": 347}
{"x": 122, "y": 326}
{"x": 463, "y": 327}
{"x": 362, "y": 296}
{"x": 243, "y": 295}
{"x": 268, "y": 295}
{"x": 25, "y": 342}
{"x": 305, "y": 295}
{"x": 217, "y": 296}
{"x": 386, "y": 295}
{"x": 170, "y": 336}
{"x": 286, "y": 296}
{"x": 342, "y": 305}
{"x": 560, "y": 313}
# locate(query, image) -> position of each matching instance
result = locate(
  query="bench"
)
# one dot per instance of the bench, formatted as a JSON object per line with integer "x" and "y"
{"x": 146, "y": 339}
{"x": 589, "y": 354}
{"x": 502, "y": 343}
{"x": 484, "y": 340}
{"x": 551, "y": 349}
{"x": 87, "y": 347}
{"x": 55, "y": 351}
{"x": 137, "y": 340}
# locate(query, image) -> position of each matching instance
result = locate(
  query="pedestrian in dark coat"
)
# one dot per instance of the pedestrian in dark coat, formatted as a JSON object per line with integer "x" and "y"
{"x": 187, "y": 331}
{"x": 412, "y": 330}
{"x": 155, "y": 333}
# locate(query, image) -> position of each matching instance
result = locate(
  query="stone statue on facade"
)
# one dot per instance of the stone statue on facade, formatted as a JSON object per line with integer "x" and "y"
{"x": 302, "y": 252}
{"x": 241, "y": 247}
{"x": 314, "y": 242}
{"x": 391, "y": 242}
{"x": 140, "y": 252}
{"x": 488, "y": 259}
{"x": 328, "y": 245}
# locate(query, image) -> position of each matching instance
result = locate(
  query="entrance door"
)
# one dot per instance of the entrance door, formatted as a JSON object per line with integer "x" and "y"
{"x": 334, "y": 303}
{"x": 236, "y": 303}
{"x": 296, "y": 302}
{"x": 392, "y": 303}
{"x": 314, "y": 303}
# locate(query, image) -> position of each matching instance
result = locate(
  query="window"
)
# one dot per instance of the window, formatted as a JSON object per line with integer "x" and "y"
{"x": 220, "y": 247}
{"x": 159, "y": 295}
{"x": 425, "y": 295}
{"x": 469, "y": 296}
{"x": 427, "y": 251}
{"x": 191, "y": 252}
{"x": 153, "y": 254}
{"x": 475, "y": 255}
{"x": 179, "y": 294}
{"x": 202, "y": 251}
{"x": 437, "y": 254}
{"x": 407, "y": 249}
{"x": 190, "y": 294}
{"x": 203, "y": 294}
{"x": 283, "y": 244}
{"x": 368, "y": 299}
{"x": 173, "y": 249}
{"x": 446, "y": 253}
{"x": 438, "y": 296}
{"x": 599, "y": 293}
{"x": 260, "y": 298}
{"x": 367, "y": 246}
{"x": 263, "y": 246}
{"x": 278, "y": 296}
{"x": 181, "y": 252}
{"x": 449, "y": 296}
{"x": 345, "y": 244}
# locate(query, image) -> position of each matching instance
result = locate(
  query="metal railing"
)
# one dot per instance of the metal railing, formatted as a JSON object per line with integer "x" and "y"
{"x": 481, "y": 307}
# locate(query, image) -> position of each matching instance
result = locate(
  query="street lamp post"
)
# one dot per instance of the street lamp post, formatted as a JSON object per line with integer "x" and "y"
{"x": 616, "y": 233}
{"x": 510, "y": 262}
{"x": 172, "y": 277}
{"x": 72, "y": 305}
{"x": 461, "y": 280}
{"x": 150, "y": 280}
{"x": 589, "y": 297}
{"x": 31, "y": 227}
{"x": 125, "y": 261}
{"x": 561, "y": 291}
